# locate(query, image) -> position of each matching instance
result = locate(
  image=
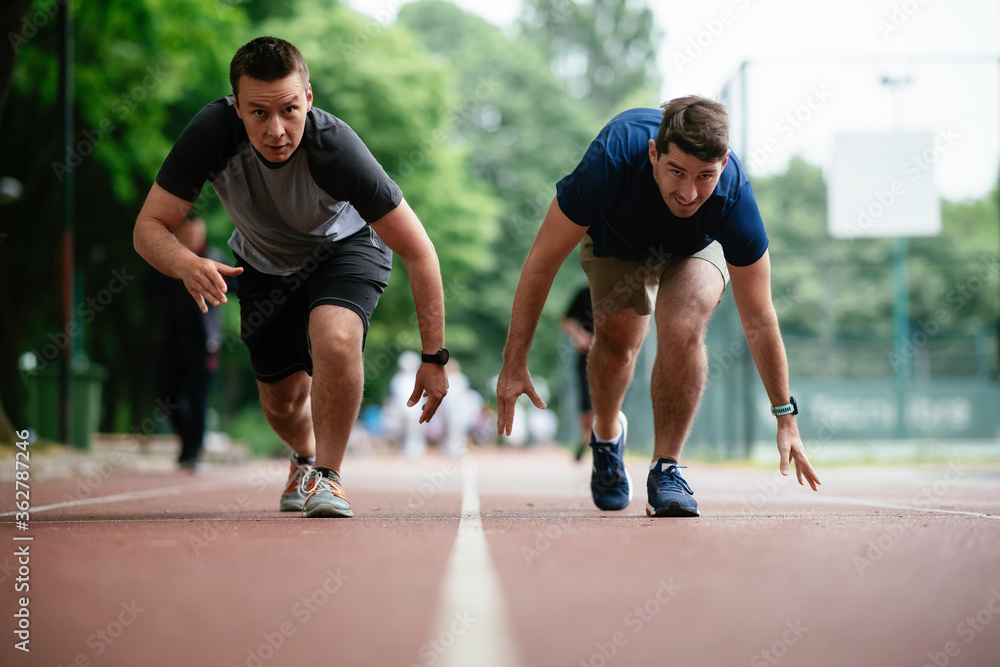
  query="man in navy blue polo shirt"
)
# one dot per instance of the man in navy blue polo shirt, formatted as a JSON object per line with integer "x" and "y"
{"x": 666, "y": 218}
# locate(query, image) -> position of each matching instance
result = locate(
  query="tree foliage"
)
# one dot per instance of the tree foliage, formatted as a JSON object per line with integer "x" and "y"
{"x": 842, "y": 290}
{"x": 604, "y": 49}
{"x": 141, "y": 70}
{"x": 523, "y": 132}
{"x": 475, "y": 124}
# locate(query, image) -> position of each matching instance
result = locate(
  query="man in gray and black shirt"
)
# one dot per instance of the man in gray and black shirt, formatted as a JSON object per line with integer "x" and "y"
{"x": 317, "y": 220}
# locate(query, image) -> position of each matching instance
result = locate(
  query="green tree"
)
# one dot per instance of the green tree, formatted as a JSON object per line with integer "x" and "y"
{"x": 14, "y": 19}
{"x": 141, "y": 70}
{"x": 836, "y": 295}
{"x": 522, "y": 132}
{"x": 604, "y": 49}
{"x": 12, "y": 14}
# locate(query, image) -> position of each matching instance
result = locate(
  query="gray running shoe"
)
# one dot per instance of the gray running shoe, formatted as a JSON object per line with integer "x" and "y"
{"x": 326, "y": 497}
{"x": 294, "y": 497}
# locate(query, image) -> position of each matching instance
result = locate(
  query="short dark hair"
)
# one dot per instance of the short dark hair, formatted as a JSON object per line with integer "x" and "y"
{"x": 267, "y": 59}
{"x": 696, "y": 125}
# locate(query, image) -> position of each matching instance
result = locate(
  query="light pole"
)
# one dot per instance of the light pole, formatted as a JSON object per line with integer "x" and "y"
{"x": 65, "y": 261}
{"x": 900, "y": 281}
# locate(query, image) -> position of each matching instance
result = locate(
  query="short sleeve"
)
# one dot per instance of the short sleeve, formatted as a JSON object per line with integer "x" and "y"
{"x": 741, "y": 231}
{"x": 592, "y": 188}
{"x": 199, "y": 153}
{"x": 344, "y": 167}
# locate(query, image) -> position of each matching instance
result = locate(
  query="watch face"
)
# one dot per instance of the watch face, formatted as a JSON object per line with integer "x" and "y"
{"x": 443, "y": 355}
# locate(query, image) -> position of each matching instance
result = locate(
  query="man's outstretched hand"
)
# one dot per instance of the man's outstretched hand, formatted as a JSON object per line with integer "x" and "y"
{"x": 790, "y": 448}
{"x": 204, "y": 281}
{"x": 431, "y": 382}
{"x": 514, "y": 380}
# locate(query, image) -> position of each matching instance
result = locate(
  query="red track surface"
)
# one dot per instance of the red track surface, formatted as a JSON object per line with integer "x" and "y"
{"x": 206, "y": 572}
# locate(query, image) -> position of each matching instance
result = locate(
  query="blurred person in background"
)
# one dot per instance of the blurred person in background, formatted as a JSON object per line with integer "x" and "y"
{"x": 578, "y": 325}
{"x": 403, "y": 419}
{"x": 186, "y": 349}
{"x": 460, "y": 411}
{"x": 666, "y": 215}
{"x": 317, "y": 221}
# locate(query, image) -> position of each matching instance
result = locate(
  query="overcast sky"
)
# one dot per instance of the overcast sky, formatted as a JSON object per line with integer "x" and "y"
{"x": 816, "y": 69}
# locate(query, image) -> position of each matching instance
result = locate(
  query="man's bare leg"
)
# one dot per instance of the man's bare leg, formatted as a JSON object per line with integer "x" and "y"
{"x": 336, "y": 336}
{"x": 611, "y": 364}
{"x": 287, "y": 407}
{"x": 689, "y": 293}
{"x": 586, "y": 424}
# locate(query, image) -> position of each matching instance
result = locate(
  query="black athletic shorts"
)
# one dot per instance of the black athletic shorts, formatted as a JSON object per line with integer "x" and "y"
{"x": 274, "y": 310}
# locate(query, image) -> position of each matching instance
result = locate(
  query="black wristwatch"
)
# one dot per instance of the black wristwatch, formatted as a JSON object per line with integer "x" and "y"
{"x": 440, "y": 357}
{"x": 791, "y": 409}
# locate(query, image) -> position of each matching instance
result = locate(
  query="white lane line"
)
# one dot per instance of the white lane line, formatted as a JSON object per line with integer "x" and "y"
{"x": 912, "y": 508}
{"x": 472, "y": 627}
{"x": 122, "y": 497}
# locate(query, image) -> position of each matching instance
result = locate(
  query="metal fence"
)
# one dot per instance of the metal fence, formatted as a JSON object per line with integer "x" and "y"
{"x": 845, "y": 388}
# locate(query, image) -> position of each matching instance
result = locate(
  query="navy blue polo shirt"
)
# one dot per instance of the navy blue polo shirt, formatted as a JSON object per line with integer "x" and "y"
{"x": 613, "y": 194}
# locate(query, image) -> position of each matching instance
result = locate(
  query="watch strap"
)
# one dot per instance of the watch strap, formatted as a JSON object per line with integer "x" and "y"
{"x": 440, "y": 357}
{"x": 781, "y": 410}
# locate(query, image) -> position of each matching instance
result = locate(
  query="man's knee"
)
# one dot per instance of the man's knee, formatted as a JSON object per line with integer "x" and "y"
{"x": 615, "y": 351}
{"x": 337, "y": 346}
{"x": 335, "y": 335}
{"x": 684, "y": 319}
{"x": 681, "y": 330}
{"x": 287, "y": 398}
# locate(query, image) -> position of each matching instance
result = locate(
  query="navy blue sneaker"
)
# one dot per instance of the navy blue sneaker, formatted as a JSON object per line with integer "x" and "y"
{"x": 669, "y": 494}
{"x": 610, "y": 483}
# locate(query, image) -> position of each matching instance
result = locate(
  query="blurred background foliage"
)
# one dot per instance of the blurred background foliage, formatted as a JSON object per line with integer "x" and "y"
{"x": 476, "y": 125}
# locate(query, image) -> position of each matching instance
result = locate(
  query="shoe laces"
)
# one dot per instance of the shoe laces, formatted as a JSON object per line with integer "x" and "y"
{"x": 298, "y": 478}
{"x": 668, "y": 478}
{"x": 315, "y": 482}
{"x": 607, "y": 463}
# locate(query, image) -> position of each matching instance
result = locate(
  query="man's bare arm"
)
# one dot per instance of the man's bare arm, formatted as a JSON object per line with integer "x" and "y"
{"x": 752, "y": 293}
{"x": 153, "y": 238}
{"x": 556, "y": 239}
{"x": 402, "y": 232}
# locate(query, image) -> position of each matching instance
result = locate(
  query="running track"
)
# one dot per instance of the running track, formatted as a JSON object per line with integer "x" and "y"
{"x": 501, "y": 560}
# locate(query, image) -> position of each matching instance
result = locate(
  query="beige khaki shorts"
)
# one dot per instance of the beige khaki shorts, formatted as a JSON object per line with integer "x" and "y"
{"x": 617, "y": 284}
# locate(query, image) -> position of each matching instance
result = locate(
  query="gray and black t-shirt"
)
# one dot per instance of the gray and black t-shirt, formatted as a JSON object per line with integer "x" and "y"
{"x": 328, "y": 190}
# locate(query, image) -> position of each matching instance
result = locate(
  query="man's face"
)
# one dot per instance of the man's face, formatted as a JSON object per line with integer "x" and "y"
{"x": 684, "y": 181}
{"x": 274, "y": 114}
